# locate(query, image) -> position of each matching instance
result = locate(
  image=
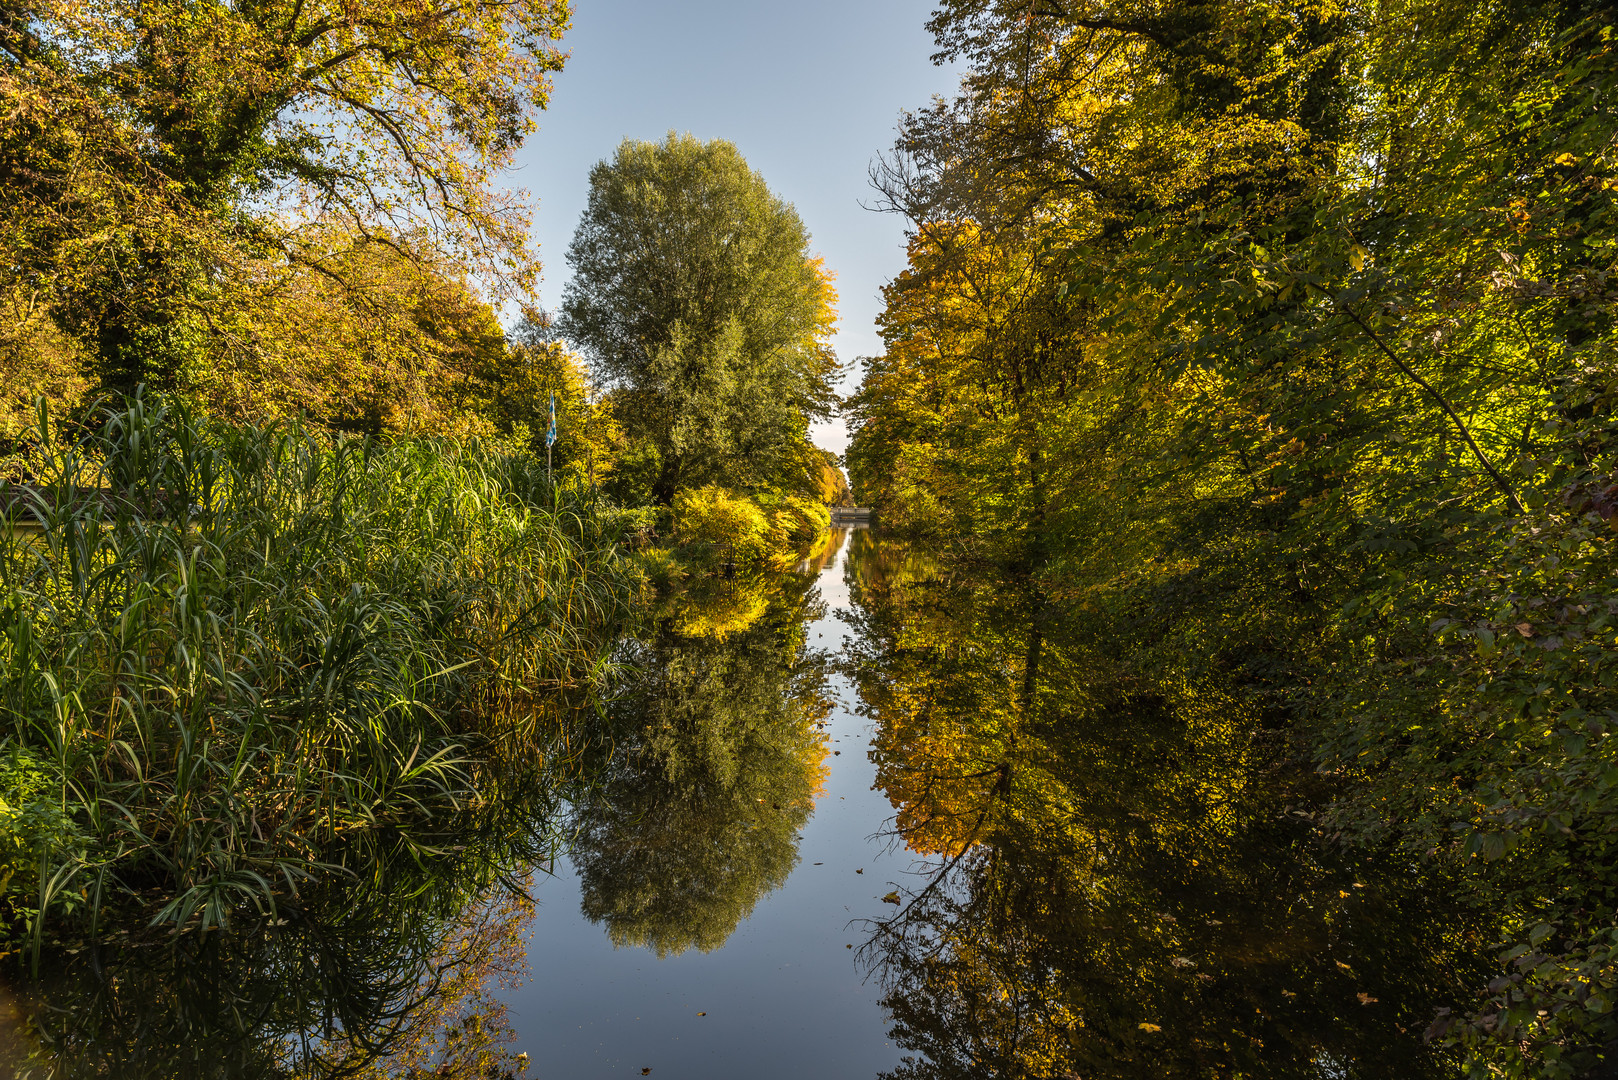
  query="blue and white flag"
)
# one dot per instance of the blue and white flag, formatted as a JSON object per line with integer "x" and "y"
{"x": 550, "y": 434}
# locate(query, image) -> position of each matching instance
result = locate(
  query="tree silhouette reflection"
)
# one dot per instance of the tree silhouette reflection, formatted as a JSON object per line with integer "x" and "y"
{"x": 1124, "y": 875}
{"x": 714, "y": 761}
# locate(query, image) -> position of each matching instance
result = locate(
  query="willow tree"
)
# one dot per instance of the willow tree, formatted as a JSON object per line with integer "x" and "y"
{"x": 169, "y": 167}
{"x": 696, "y": 299}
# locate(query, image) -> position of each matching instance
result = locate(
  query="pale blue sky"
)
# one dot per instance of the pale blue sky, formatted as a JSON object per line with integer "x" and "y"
{"x": 808, "y": 91}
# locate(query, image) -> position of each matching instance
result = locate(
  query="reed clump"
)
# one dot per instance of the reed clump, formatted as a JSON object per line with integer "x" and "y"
{"x": 241, "y": 657}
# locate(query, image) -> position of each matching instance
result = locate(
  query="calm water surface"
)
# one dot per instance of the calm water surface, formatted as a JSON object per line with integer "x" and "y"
{"x": 880, "y": 817}
{"x": 784, "y": 994}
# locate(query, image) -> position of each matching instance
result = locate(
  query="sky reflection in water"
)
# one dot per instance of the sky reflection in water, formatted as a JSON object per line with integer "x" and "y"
{"x": 1100, "y": 879}
{"x": 784, "y": 995}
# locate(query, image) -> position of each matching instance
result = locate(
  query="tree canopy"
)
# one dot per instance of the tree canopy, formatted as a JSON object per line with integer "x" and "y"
{"x": 1273, "y": 343}
{"x": 174, "y": 172}
{"x": 697, "y": 301}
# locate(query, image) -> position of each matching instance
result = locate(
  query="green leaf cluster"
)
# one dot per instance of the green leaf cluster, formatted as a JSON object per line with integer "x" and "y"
{"x": 1277, "y": 342}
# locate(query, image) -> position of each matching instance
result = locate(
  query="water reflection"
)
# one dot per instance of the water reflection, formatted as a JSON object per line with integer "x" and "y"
{"x": 679, "y": 796}
{"x": 383, "y": 993}
{"x": 1123, "y": 874}
{"x": 713, "y": 759}
{"x": 390, "y": 969}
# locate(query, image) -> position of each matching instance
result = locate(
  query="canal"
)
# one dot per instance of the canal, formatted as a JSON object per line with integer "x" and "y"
{"x": 881, "y": 816}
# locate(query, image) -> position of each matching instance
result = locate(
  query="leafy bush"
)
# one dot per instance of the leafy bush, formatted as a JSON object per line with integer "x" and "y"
{"x": 712, "y": 523}
{"x": 34, "y": 826}
{"x": 794, "y": 520}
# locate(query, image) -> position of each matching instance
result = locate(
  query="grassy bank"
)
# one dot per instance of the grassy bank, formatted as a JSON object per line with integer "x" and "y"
{"x": 233, "y": 657}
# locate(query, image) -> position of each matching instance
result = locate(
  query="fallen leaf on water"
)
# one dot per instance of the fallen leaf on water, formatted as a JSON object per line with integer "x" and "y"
{"x": 860, "y": 871}
{"x": 820, "y": 864}
{"x": 702, "y": 1014}
{"x": 848, "y": 946}
{"x": 891, "y": 898}
{"x": 1150, "y": 1027}
{"x": 837, "y": 753}
{"x": 646, "y": 1071}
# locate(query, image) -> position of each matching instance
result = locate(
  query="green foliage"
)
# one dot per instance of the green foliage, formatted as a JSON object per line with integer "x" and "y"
{"x": 518, "y": 403}
{"x": 697, "y": 302}
{"x": 794, "y": 520}
{"x": 35, "y": 828}
{"x": 718, "y": 524}
{"x": 179, "y": 173}
{"x": 1271, "y": 342}
{"x": 714, "y": 524}
{"x": 249, "y": 656}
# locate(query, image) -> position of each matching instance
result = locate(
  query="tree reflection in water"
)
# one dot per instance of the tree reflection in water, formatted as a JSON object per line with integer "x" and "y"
{"x": 388, "y": 969}
{"x": 685, "y": 792}
{"x": 712, "y": 758}
{"x": 1125, "y": 876}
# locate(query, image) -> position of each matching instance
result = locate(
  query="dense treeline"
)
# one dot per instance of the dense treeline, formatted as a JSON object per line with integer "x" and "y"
{"x": 274, "y": 206}
{"x": 1126, "y": 878}
{"x": 1272, "y": 345}
{"x": 295, "y": 209}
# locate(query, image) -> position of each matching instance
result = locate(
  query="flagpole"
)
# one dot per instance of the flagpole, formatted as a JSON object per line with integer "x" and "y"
{"x": 550, "y": 438}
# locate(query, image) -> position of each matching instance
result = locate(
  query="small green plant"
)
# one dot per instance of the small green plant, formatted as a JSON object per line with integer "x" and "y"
{"x": 34, "y": 826}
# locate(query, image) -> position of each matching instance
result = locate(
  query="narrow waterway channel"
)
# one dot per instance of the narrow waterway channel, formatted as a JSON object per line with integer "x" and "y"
{"x": 785, "y": 995}
{"x": 881, "y": 817}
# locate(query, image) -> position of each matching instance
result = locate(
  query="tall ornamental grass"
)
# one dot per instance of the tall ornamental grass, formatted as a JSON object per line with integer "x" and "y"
{"x": 240, "y": 655}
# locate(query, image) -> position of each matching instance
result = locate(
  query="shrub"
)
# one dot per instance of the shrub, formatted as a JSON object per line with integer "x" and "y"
{"x": 35, "y": 829}
{"x": 801, "y": 520}
{"x": 712, "y": 523}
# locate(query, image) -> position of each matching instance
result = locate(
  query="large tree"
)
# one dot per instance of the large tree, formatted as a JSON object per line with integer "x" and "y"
{"x": 170, "y": 170}
{"x": 696, "y": 298}
{"x": 1270, "y": 338}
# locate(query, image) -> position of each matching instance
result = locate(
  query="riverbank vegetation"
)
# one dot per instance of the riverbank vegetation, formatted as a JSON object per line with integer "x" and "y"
{"x": 1271, "y": 351}
{"x": 237, "y": 661}
{"x": 301, "y": 543}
